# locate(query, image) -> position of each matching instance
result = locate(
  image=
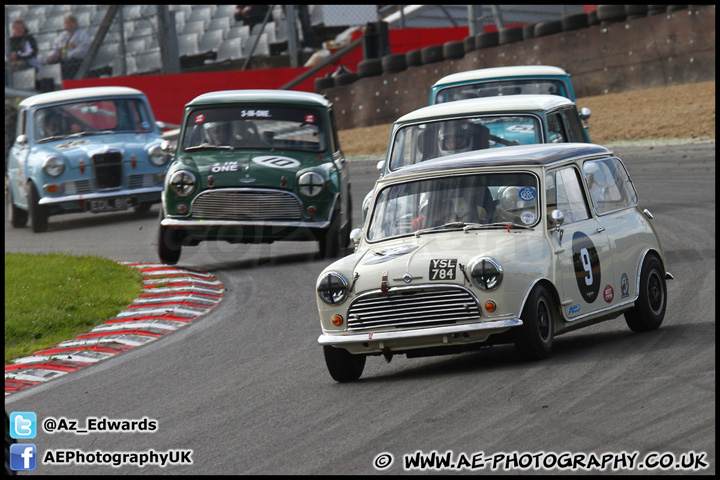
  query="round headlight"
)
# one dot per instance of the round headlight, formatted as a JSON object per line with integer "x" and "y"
{"x": 183, "y": 183}
{"x": 54, "y": 166}
{"x": 311, "y": 184}
{"x": 486, "y": 273}
{"x": 332, "y": 288}
{"x": 157, "y": 156}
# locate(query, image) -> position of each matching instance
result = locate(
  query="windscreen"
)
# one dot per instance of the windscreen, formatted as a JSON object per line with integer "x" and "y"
{"x": 424, "y": 141}
{"x": 92, "y": 117}
{"x": 253, "y": 127}
{"x": 503, "y": 87}
{"x": 433, "y": 205}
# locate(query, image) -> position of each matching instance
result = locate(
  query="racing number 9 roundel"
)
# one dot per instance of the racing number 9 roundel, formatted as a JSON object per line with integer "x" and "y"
{"x": 587, "y": 266}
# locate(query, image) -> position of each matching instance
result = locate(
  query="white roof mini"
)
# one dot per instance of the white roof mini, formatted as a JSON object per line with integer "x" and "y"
{"x": 504, "y": 104}
{"x": 78, "y": 94}
{"x": 499, "y": 72}
{"x": 260, "y": 95}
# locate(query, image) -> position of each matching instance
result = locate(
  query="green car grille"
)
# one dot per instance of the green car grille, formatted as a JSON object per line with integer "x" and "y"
{"x": 246, "y": 204}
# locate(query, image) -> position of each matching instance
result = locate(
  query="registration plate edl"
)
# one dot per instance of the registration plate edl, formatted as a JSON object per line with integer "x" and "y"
{"x": 110, "y": 204}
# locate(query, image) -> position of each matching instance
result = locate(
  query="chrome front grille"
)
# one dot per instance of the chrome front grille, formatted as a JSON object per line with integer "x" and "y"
{"x": 413, "y": 307}
{"x": 108, "y": 169}
{"x": 78, "y": 187}
{"x": 247, "y": 204}
{"x": 141, "y": 180}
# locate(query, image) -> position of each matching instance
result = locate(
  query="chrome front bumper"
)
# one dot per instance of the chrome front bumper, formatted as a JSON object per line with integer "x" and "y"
{"x": 372, "y": 342}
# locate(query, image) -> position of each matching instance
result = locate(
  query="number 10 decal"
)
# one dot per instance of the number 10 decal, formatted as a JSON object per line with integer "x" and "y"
{"x": 587, "y": 266}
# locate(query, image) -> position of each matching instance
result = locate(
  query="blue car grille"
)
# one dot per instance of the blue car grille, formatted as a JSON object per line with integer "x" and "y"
{"x": 108, "y": 169}
{"x": 252, "y": 205}
{"x": 413, "y": 307}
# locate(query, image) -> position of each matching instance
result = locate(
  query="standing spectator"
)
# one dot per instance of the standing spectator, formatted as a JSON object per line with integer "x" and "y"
{"x": 23, "y": 47}
{"x": 70, "y": 47}
{"x": 309, "y": 40}
{"x": 251, "y": 15}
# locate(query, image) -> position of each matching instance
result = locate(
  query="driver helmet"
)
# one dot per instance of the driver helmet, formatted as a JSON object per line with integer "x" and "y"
{"x": 219, "y": 133}
{"x": 510, "y": 199}
{"x": 454, "y": 137}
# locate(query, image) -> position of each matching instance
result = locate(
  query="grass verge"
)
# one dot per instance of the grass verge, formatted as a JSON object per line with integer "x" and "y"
{"x": 55, "y": 297}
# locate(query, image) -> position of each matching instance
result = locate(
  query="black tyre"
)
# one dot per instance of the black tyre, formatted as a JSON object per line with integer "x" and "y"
{"x": 345, "y": 79}
{"x": 534, "y": 339}
{"x": 469, "y": 43}
{"x": 453, "y": 50}
{"x": 38, "y": 213}
{"x": 511, "y": 35}
{"x": 393, "y": 63}
{"x": 342, "y": 365}
{"x": 330, "y": 239}
{"x": 18, "y": 216}
{"x": 649, "y": 309}
{"x": 528, "y": 31}
{"x": 548, "y": 28}
{"x": 431, "y": 54}
{"x": 575, "y": 22}
{"x": 413, "y": 58}
{"x": 607, "y": 14}
{"x": 323, "y": 83}
{"x": 169, "y": 244}
{"x": 487, "y": 39}
{"x": 369, "y": 68}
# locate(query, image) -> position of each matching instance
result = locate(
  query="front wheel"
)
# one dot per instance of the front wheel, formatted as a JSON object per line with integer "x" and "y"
{"x": 18, "y": 216}
{"x": 169, "y": 244}
{"x": 38, "y": 213}
{"x": 330, "y": 239}
{"x": 534, "y": 339}
{"x": 649, "y": 309}
{"x": 343, "y": 365}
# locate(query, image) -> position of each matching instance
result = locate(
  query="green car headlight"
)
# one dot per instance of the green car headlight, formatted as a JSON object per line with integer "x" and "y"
{"x": 183, "y": 183}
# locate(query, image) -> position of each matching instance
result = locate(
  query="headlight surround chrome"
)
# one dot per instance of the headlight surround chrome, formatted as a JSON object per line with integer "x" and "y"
{"x": 311, "y": 184}
{"x": 54, "y": 166}
{"x": 183, "y": 183}
{"x": 486, "y": 273}
{"x": 332, "y": 288}
{"x": 157, "y": 156}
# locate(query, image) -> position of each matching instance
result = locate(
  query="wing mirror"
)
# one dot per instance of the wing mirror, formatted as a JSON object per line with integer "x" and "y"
{"x": 355, "y": 236}
{"x": 557, "y": 218}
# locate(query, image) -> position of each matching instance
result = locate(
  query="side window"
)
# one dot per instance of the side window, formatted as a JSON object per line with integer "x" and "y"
{"x": 609, "y": 185}
{"x": 556, "y": 129}
{"x": 574, "y": 126}
{"x": 565, "y": 193}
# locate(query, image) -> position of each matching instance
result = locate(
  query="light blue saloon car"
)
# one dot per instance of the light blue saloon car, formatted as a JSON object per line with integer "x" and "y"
{"x": 92, "y": 149}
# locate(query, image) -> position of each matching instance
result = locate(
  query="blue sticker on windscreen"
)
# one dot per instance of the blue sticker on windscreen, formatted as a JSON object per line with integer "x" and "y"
{"x": 527, "y": 194}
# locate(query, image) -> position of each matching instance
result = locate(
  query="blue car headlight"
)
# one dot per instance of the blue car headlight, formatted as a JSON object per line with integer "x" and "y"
{"x": 54, "y": 166}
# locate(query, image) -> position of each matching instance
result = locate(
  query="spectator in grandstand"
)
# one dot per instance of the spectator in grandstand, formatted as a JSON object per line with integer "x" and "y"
{"x": 251, "y": 15}
{"x": 23, "y": 47}
{"x": 70, "y": 47}
{"x": 309, "y": 40}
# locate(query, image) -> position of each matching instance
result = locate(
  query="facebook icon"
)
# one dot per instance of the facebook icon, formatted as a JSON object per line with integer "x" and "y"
{"x": 23, "y": 456}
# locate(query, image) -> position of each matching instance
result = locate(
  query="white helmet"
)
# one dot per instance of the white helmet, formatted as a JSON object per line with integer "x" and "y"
{"x": 455, "y": 136}
{"x": 510, "y": 199}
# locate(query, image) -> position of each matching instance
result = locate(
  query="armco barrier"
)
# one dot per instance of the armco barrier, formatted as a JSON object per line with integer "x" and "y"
{"x": 650, "y": 52}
